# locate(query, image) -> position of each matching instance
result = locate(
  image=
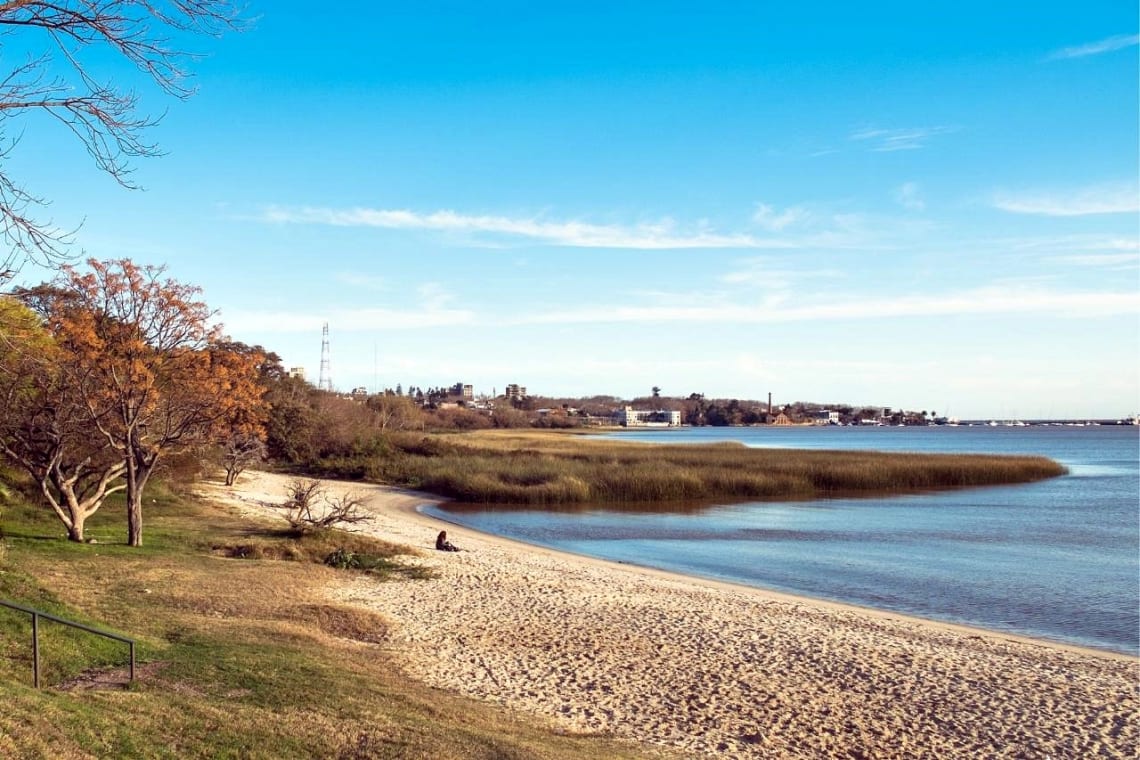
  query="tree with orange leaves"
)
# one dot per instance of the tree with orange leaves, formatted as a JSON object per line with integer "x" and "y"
{"x": 44, "y": 428}
{"x": 152, "y": 371}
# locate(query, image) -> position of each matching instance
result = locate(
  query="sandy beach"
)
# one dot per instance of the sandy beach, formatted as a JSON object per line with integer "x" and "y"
{"x": 714, "y": 669}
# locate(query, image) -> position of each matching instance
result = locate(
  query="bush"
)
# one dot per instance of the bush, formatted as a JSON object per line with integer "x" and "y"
{"x": 342, "y": 559}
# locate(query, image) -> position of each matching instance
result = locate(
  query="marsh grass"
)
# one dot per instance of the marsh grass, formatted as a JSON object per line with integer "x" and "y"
{"x": 551, "y": 469}
{"x": 237, "y": 658}
{"x": 331, "y": 547}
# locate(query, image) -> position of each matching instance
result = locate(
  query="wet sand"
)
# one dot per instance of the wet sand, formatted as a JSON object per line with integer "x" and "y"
{"x": 715, "y": 669}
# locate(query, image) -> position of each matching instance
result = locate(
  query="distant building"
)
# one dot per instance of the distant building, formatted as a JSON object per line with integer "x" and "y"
{"x": 464, "y": 391}
{"x": 782, "y": 419}
{"x": 360, "y": 392}
{"x": 630, "y": 417}
{"x": 825, "y": 417}
{"x": 515, "y": 392}
{"x": 297, "y": 372}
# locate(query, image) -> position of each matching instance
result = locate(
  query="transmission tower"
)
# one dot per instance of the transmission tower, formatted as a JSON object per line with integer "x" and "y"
{"x": 325, "y": 383}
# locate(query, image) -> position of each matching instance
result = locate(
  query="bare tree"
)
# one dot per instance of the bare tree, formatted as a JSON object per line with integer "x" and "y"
{"x": 239, "y": 452}
{"x": 305, "y": 496}
{"x": 56, "y": 79}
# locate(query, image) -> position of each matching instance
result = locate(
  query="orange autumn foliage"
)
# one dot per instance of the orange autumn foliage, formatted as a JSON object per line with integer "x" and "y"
{"x": 151, "y": 368}
{"x": 44, "y": 428}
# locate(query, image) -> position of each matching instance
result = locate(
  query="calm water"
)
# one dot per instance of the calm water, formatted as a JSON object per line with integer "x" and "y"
{"x": 1059, "y": 559}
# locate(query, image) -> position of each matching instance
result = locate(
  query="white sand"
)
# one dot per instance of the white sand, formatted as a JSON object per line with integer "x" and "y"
{"x": 716, "y": 669}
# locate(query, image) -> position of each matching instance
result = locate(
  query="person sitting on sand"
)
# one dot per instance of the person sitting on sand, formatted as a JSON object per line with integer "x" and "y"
{"x": 443, "y": 544}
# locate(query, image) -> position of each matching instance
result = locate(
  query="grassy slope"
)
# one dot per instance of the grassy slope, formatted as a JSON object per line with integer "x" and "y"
{"x": 512, "y": 467}
{"x": 238, "y": 657}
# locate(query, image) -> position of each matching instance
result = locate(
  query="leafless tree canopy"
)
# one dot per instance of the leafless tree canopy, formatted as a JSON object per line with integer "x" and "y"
{"x": 56, "y": 81}
{"x": 303, "y": 498}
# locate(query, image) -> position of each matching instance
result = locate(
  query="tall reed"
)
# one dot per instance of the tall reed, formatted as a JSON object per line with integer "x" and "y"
{"x": 558, "y": 469}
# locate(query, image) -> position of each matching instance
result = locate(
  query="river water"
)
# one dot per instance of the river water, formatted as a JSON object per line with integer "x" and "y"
{"x": 1057, "y": 559}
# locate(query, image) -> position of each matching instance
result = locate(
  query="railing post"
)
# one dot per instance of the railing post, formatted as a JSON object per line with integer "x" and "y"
{"x": 36, "y": 650}
{"x": 36, "y": 615}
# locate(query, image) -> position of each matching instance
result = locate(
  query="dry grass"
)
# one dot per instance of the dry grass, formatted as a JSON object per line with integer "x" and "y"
{"x": 238, "y": 658}
{"x": 508, "y": 467}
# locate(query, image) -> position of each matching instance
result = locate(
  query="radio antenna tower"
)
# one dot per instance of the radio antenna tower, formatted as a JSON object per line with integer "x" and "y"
{"x": 325, "y": 383}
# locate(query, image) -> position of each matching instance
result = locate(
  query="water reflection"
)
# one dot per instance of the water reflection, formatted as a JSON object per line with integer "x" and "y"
{"x": 1057, "y": 559}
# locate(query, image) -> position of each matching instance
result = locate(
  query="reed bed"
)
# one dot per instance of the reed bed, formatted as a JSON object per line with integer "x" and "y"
{"x": 552, "y": 469}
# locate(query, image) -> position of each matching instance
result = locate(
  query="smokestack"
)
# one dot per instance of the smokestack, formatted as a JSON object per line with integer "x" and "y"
{"x": 769, "y": 402}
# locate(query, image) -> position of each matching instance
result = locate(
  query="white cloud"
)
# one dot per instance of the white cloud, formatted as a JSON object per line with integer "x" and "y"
{"x": 772, "y": 220}
{"x": 908, "y": 196}
{"x": 990, "y": 300}
{"x": 1107, "y": 45}
{"x": 890, "y": 140}
{"x": 355, "y": 279}
{"x": 771, "y": 273}
{"x": 347, "y": 320}
{"x": 1108, "y": 198}
{"x": 1063, "y": 245}
{"x": 435, "y": 296}
{"x": 659, "y": 235}
{"x": 1108, "y": 260}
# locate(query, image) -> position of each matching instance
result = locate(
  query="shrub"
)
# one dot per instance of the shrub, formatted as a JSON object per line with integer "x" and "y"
{"x": 305, "y": 496}
{"x": 343, "y": 559}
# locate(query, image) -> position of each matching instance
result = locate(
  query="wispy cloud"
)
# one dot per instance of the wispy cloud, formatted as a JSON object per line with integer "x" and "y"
{"x": 1114, "y": 261}
{"x": 1063, "y": 245}
{"x": 434, "y": 296}
{"x": 981, "y": 301}
{"x": 658, "y": 235}
{"x": 908, "y": 196}
{"x": 1107, "y": 45}
{"x": 771, "y": 273}
{"x": 431, "y": 310}
{"x": 1110, "y": 198}
{"x": 347, "y": 320}
{"x": 768, "y": 218}
{"x": 723, "y": 308}
{"x": 890, "y": 140}
{"x": 357, "y": 280}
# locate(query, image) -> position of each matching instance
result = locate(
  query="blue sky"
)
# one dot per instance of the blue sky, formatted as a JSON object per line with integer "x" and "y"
{"x": 929, "y": 208}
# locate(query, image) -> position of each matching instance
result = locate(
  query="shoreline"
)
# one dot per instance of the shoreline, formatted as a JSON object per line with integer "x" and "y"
{"x": 710, "y": 667}
{"x": 790, "y": 597}
{"x": 770, "y": 593}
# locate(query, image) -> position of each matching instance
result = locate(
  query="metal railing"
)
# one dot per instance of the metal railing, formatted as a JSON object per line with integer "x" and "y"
{"x": 37, "y": 614}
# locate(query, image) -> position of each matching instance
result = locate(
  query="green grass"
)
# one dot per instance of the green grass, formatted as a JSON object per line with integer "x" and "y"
{"x": 507, "y": 467}
{"x": 238, "y": 658}
{"x": 334, "y": 548}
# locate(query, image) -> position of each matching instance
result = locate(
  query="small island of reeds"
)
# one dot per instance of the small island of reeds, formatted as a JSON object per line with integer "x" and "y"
{"x": 542, "y": 468}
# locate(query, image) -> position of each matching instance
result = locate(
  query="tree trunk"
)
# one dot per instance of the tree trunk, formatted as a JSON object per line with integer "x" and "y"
{"x": 134, "y": 503}
{"x": 134, "y": 519}
{"x": 138, "y": 472}
{"x": 75, "y": 530}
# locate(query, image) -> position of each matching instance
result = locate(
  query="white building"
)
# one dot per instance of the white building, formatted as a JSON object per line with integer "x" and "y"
{"x": 630, "y": 417}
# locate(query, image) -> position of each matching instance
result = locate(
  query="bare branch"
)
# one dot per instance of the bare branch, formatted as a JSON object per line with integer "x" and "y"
{"x": 102, "y": 116}
{"x": 338, "y": 510}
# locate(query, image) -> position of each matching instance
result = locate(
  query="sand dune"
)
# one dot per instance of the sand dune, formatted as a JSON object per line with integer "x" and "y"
{"x": 720, "y": 670}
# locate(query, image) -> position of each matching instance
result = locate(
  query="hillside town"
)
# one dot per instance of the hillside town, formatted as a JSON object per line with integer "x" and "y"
{"x": 654, "y": 410}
